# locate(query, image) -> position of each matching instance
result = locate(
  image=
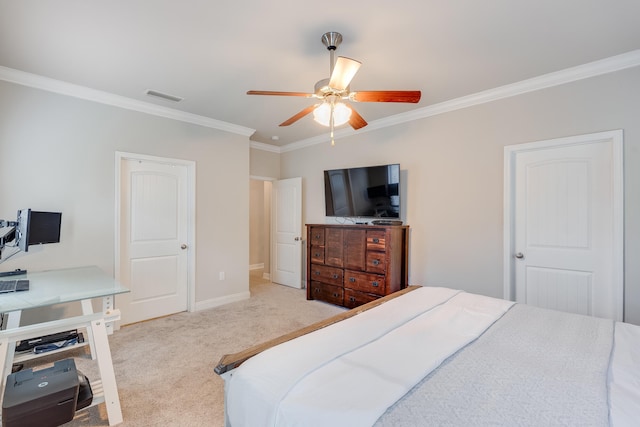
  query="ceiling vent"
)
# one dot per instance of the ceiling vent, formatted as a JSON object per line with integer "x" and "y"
{"x": 166, "y": 96}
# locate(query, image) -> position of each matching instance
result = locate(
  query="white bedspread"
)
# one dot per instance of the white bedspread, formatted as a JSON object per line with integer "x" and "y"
{"x": 624, "y": 381}
{"x": 534, "y": 367}
{"x": 339, "y": 380}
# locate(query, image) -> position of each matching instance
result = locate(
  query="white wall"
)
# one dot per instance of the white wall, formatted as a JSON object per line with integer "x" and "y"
{"x": 58, "y": 153}
{"x": 256, "y": 223}
{"x": 452, "y": 173}
{"x": 265, "y": 164}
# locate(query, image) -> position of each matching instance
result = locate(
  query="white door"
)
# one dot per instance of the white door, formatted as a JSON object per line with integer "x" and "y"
{"x": 286, "y": 232}
{"x": 340, "y": 196}
{"x": 566, "y": 248}
{"x": 153, "y": 239}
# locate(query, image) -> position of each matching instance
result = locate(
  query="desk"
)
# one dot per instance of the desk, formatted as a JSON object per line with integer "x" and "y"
{"x": 62, "y": 286}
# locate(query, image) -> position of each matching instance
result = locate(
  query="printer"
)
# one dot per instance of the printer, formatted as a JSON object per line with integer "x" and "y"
{"x": 44, "y": 398}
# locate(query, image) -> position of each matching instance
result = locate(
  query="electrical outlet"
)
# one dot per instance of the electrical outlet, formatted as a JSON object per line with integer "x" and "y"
{"x": 221, "y": 275}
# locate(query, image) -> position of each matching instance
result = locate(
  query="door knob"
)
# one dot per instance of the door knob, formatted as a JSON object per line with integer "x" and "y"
{"x": 519, "y": 255}
{"x": 183, "y": 246}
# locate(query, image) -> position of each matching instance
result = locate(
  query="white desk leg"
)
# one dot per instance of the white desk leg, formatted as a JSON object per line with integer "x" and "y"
{"x": 87, "y": 308}
{"x": 105, "y": 364}
{"x": 107, "y": 306}
{"x": 5, "y": 356}
{"x": 9, "y": 347}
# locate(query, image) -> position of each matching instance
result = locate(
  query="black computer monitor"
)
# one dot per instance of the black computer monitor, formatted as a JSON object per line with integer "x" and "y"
{"x": 35, "y": 227}
{"x": 44, "y": 227}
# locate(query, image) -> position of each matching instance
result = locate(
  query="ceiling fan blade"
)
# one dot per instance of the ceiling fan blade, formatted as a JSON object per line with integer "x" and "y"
{"x": 356, "y": 120}
{"x": 298, "y": 116}
{"x": 412, "y": 96}
{"x": 270, "y": 92}
{"x": 343, "y": 72}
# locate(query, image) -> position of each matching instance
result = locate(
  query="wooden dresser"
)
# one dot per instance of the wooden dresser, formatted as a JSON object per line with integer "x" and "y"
{"x": 350, "y": 265}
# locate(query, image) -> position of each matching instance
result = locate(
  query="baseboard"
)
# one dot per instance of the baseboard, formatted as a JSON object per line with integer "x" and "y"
{"x": 256, "y": 266}
{"x": 266, "y": 276}
{"x": 217, "y": 302}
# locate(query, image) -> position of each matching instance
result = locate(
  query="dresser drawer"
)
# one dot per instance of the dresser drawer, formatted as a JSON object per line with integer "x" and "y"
{"x": 324, "y": 274}
{"x": 317, "y": 254}
{"x": 328, "y": 293}
{"x": 376, "y": 240}
{"x": 364, "y": 282}
{"x": 376, "y": 262}
{"x": 354, "y": 299}
{"x": 316, "y": 236}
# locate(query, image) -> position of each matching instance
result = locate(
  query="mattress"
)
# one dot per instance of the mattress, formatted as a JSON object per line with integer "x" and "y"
{"x": 439, "y": 356}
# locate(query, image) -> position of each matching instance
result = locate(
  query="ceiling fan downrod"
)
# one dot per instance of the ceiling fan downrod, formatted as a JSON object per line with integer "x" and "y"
{"x": 331, "y": 40}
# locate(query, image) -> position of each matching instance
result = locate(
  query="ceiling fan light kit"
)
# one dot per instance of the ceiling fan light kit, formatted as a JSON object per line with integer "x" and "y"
{"x": 332, "y": 111}
{"x": 324, "y": 112}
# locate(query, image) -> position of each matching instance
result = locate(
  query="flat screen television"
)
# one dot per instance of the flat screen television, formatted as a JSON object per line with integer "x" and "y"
{"x": 370, "y": 191}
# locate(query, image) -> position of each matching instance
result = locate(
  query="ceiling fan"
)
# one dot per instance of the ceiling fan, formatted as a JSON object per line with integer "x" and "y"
{"x": 331, "y": 111}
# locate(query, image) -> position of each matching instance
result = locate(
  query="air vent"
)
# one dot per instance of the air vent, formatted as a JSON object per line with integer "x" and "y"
{"x": 166, "y": 96}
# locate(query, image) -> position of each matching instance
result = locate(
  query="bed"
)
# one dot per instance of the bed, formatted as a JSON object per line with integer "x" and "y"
{"x": 438, "y": 356}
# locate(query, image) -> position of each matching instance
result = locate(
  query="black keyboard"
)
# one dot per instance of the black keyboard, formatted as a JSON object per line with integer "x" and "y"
{"x": 13, "y": 286}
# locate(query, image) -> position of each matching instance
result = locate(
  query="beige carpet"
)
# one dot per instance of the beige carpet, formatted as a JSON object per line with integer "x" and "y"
{"x": 164, "y": 367}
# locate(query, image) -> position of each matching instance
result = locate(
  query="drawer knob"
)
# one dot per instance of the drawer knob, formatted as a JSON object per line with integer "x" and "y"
{"x": 317, "y": 254}
{"x": 374, "y": 284}
{"x": 317, "y": 236}
{"x": 335, "y": 276}
{"x": 352, "y": 299}
{"x": 316, "y": 290}
{"x": 317, "y": 273}
{"x": 376, "y": 240}
{"x": 352, "y": 279}
{"x": 375, "y": 261}
{"x": 335, "y": 295}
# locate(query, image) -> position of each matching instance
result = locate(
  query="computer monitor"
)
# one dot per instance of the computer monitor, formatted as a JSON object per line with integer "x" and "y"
{"x": 44, "y": 227}
{"x": 35, "y": 227}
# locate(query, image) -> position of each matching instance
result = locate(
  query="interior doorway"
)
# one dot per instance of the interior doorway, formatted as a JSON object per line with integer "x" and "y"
{"x": 260, "y": 226}
{"x": 275, "y": 212}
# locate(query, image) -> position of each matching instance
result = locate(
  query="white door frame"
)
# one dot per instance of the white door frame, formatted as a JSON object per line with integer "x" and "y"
{"x": 191, "y": 215}
{"x": 510, "y": 152}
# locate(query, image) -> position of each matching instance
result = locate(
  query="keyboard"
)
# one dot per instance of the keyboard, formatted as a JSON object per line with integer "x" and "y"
{"x": 13, "y": 286}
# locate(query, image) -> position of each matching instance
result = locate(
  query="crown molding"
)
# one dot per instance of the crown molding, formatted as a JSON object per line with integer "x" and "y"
{"x": 604, "y": 66}
{"x": 82, "y": 92}
{"x": 592, "y": 69}
{"x": 265, "y": 147}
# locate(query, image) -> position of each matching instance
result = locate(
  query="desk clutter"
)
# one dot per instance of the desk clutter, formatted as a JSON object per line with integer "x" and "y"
{"x": 45, "y": 398}
{"x": 50, "y": 342}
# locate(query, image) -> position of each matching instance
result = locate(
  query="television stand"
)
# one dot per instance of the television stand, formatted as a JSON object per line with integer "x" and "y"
{"x": 350, "y": 265}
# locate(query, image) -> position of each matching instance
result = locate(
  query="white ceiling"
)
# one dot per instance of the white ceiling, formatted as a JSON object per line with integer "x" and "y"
{"x": 212, "y": 52}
